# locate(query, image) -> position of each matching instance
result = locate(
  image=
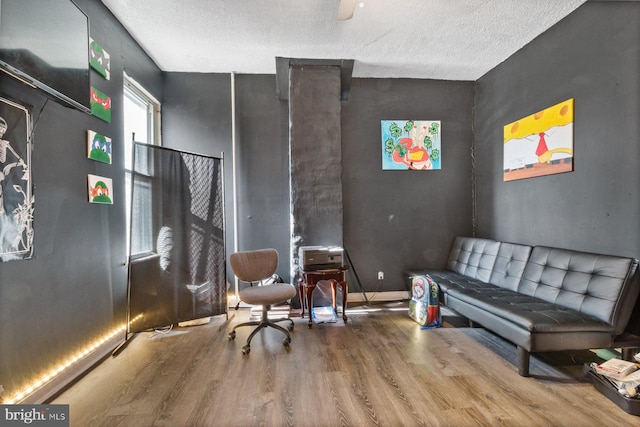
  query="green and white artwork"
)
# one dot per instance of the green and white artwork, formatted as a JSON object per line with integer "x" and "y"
{"x": 98, "y": 147}
{"x": 100, "y": 105}
{"x": 100, "y": 189}
{"x": 100, "y": 60}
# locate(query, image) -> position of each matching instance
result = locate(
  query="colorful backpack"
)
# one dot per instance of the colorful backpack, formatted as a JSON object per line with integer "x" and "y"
{"x": 424, "y": 306}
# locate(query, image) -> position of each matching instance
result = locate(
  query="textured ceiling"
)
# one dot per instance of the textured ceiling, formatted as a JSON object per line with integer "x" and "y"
{"x": 437, "y": 39}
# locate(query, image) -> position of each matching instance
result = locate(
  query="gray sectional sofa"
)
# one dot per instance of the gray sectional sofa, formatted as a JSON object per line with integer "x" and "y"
{"x": 540, "y": 298}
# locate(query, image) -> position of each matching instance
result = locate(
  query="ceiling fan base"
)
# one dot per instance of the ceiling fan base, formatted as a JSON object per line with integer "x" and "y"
{"x": 347, "y": 7}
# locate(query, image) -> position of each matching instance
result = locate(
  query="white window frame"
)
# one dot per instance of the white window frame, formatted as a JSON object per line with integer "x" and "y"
{"x": 132, "y": 89}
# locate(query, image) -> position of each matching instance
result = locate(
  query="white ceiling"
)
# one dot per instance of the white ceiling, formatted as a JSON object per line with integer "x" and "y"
{"x": 436, "y": 39}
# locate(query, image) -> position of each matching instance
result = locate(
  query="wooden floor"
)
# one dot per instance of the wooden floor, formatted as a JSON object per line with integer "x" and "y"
{"x": 379, "y": 368}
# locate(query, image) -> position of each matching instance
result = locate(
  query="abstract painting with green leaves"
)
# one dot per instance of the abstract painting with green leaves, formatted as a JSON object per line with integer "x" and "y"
{"x": 411, "y": 144}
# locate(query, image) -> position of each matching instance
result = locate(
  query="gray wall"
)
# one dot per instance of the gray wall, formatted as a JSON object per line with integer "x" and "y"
{"x": 392, "y": 220}
{"x": 196, "y": 117}
{"x": 592, "y": 56}
{"x": 399, "y": 220}
{"x": 262, "y": 137}
{"x": 74, "y": 289}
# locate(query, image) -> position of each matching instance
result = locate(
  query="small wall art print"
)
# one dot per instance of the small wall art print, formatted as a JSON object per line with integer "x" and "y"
{"x": 99, "y": 59}
{"x": 16, "y": 187}
{"x": 100, "y": 190}
{"x": 98, "y": 147}
{"x": 411, "y": 145}
{"x": 540, "y": 144}
{"x": 100, "y": 105}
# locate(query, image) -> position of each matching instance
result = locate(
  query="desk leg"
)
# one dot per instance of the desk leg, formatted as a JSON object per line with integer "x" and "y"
{"x": 309, "y": 292}
{"x": 301, "y": 296}
{"x": 334, "y": 296}
{"x": 343, "y": 285}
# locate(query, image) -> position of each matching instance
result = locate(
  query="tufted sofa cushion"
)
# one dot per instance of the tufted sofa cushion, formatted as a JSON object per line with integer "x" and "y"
{"x": 592, "y": 284}
{"x": 473, "y": 257}
{"x": 477, "y": 263}
{"x": 530, "y": 313}
{"x": 509, "y": 266}
{"x": 448, "y": 280}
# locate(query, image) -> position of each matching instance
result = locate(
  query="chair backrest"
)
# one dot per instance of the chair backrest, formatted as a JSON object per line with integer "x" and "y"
{"x": 253, "y": 266}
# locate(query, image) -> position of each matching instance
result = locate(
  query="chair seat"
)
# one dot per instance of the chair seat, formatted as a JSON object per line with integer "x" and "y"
{"x": 268, "y": 294}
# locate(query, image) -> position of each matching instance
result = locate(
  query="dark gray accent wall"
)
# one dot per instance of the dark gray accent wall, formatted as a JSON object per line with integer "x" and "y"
{"x": 392, "y": 220}
{"x": 316, "y": 157}
{"x": 593, "y": 56}
{"x": 262, "y": 139}
{"x": 73, "y": 291}
{"x": 399, "y": 220}
{"x": 196, "y": 113}
{"x": 196, "y": 117}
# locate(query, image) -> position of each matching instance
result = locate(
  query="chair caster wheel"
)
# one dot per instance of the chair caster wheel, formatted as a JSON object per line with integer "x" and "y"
{"x": 286, "y": 342}
{"x": 290, "y": 327}
{"x": 232, "y": 335}
{"x": 246, "y": 349}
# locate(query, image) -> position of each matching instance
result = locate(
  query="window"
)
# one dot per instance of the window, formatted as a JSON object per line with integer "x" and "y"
{"x": 142, "y": 123}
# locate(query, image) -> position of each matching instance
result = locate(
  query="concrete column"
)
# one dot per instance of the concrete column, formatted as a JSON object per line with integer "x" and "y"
{"x": 315, "y": 156}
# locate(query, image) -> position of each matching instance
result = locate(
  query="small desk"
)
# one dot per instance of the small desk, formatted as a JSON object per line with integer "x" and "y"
{"x": 307, "y": 283}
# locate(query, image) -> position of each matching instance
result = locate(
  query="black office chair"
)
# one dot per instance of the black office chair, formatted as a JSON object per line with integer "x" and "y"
{"x": 255, "y": 267}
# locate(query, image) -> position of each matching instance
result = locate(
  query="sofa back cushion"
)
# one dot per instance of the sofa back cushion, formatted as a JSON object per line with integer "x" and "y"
{"x": 597, "y": 285}
{"x": 473, "y": 257}
{"x": 509, "y": 265}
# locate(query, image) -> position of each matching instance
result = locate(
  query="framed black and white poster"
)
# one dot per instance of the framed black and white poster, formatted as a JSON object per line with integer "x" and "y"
{"x": 16, "y": 189}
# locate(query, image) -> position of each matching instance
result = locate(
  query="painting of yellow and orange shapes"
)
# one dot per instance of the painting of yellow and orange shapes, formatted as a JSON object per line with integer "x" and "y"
{"x": 540, "y": 144}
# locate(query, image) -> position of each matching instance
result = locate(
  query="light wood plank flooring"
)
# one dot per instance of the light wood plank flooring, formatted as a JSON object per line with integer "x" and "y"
{"x": 379, "y": 368}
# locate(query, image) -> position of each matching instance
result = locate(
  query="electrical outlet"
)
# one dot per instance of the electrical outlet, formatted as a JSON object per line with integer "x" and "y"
{"x": 380, "y": 275}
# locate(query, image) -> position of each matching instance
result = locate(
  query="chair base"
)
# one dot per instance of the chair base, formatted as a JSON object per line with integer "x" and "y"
{"x": 264, "y": 322}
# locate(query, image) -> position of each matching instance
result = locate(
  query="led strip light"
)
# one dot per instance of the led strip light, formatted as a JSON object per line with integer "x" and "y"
{"x": 54, "y": 372}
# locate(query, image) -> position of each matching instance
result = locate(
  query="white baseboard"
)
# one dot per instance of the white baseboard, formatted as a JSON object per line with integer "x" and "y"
{"x": 378, "y": 296}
